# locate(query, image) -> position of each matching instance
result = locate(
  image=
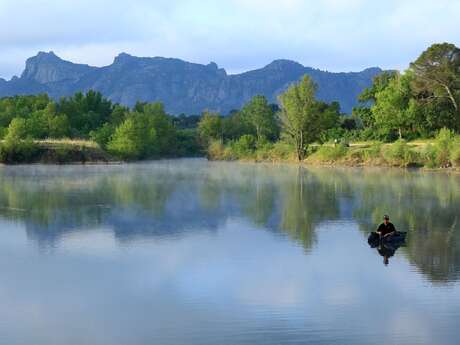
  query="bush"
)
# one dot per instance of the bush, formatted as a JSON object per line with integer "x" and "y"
{"x": 357, "y": 155}
{"x": 245, "y": 145}
{"x": 17, "y": 130}
{"x": 400, "y": 154}
{"x": 455, "y": 156}
{"x": 444, "y": 144}
{"x": 282, "y": 150}
{"x": 264, "y": 150}
{"x": 443, "y": 152}
{"x": 331, "y": 153}
{"x": 216, "y": 150}
{"x": 373, "y": 152}
{"x": 102, "y": 135}
{"x": 134, "y": 138}
{"x": 20, "y": 151}
{"x": 430, "y": 156}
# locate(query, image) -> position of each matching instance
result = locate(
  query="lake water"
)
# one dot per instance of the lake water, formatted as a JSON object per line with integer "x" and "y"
{"x": 197, "y": 252}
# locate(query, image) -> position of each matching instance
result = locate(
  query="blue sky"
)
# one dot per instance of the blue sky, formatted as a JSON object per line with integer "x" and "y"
{"x": 335, "y": 35}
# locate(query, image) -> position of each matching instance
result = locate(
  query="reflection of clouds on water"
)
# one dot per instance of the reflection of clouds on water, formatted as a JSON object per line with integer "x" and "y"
{"x": 238, "y": 283}
{"x": 90, "y": 242}
{"x": 410, "y": 325}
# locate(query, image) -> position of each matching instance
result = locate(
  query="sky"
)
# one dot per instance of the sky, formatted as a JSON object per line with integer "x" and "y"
{"x": 239, "y": 35}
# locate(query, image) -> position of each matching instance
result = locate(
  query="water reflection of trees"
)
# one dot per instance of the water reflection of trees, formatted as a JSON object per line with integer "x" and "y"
{"x": 167, "y": 199}
{"x": 424, "y": 204}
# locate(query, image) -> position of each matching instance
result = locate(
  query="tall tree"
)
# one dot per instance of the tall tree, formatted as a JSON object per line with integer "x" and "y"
{"x": 299, "y": 115}
{"x": 437, "y": 74}
{"x": 210, "y": 127}
{"x": 368, "y": 97}
{"x": 395, "y": 108}
{"x": 260, "y": 115}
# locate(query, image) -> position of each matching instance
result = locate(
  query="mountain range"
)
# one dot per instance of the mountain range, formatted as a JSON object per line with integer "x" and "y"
{"x": 182, "y": 86}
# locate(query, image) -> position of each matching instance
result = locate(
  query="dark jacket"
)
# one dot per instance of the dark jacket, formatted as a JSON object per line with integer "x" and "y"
{"x": 386, "y": 229}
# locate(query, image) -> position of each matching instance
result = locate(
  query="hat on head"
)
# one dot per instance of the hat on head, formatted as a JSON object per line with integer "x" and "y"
{"x": 387, "y": 217}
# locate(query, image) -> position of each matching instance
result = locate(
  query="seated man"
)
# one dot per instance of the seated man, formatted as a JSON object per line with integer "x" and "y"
{"x": 386, "y": 229}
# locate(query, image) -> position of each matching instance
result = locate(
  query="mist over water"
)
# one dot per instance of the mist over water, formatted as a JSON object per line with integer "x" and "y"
{"x": 197, "y": 252}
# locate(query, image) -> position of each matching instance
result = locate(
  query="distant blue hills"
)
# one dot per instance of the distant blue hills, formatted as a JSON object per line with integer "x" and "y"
{"x": 182, "y": 86}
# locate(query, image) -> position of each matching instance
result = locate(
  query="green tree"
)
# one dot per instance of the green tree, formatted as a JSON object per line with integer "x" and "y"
{"x": 368, "y": 97}
{"x": 134, "y": 138}
{"x": 86, "y": 112}
{"x": 379, "y": 83}
{"x": 437, "y": 74}
{"x": 234, "y": 126}
{"x": 210, "y": 127}
{"x": 260, "y": 115}
{"x": 17, "y": 130}
{"x": 165, "y": 140}
{"x": 395, "y": 109}
{"x": 300, "y": 117}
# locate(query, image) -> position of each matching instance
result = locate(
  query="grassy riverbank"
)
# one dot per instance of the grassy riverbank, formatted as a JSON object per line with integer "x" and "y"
{"x": 439, "y": 153}
{"x": 53, "y": 152}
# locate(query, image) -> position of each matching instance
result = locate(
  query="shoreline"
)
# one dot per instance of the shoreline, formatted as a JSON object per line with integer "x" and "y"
{"x": 341, "y": 165}
{"x": 306, "y": 164}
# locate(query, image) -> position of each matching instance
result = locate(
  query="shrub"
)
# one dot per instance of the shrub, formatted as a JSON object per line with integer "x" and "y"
{"x": 455, "y": 156}
{"x": 430, "y": 156}
{"x": 134, "y": 138}
{"x": 264, "y": 150}
{"x": 244, "y": 146}
{"x": 63, "y": 153}
{"x": 17, "y": 129}
{"x": 356, "y": 154}
{"x": 373, "y": 152}
{"x": 442, "y": 152}
{"x": 444, "y": 144}
{"x": 331, "y": 153}
{"x": 216, "y": 150}
{"x": 102, "y": 135}
{"x": 20, "y": 151}
{"x": 282, "y": 150}
{"x": 400, "y": 154}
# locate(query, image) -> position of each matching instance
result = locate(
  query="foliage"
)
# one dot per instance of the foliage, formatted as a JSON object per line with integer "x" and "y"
{"x": 216, "y": 150}
{"x": 400, "y": 154}
{"x": 394, "y": 109}
{"x": 437, "y": 76}
{"x": 259, "y": 115}
{"x": 103, "y": 135}
{"x": 134, "y": 138}
{"x": 86, "y": 112}
{"x": 444, "y": 151}
{"x": 303, "y": 118}
{"x": 330, "y": 153}
{"x": 210, "y": 128}
{"x": 455, "y": 155}
{"x": 444, "y": 145}
{"x": 22, "y": 151}
{"x": 244, "y": 146}
{"x": 17, "y": 130}
{"x": 417, "y": 103}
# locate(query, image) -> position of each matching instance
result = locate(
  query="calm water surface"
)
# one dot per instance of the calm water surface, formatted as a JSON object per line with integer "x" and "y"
{"x": 192, "y": 252}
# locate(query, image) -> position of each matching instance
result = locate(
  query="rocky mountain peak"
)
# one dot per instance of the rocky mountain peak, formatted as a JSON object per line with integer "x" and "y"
{"x": 47, "y": 68}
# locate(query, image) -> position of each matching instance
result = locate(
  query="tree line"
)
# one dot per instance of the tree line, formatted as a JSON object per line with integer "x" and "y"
{"x": 417, "y": 103}
{"x": 145, "y": 131}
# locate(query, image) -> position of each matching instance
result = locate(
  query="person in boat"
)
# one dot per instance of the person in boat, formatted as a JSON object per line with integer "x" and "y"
{"x": 386, "y": 229}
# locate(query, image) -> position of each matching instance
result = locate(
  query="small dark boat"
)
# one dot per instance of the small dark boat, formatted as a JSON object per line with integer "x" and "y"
{"x": 397, "y": 239}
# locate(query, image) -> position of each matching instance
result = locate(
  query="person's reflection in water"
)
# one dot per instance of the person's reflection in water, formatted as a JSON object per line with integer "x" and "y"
{"x": 387, "y": 252}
